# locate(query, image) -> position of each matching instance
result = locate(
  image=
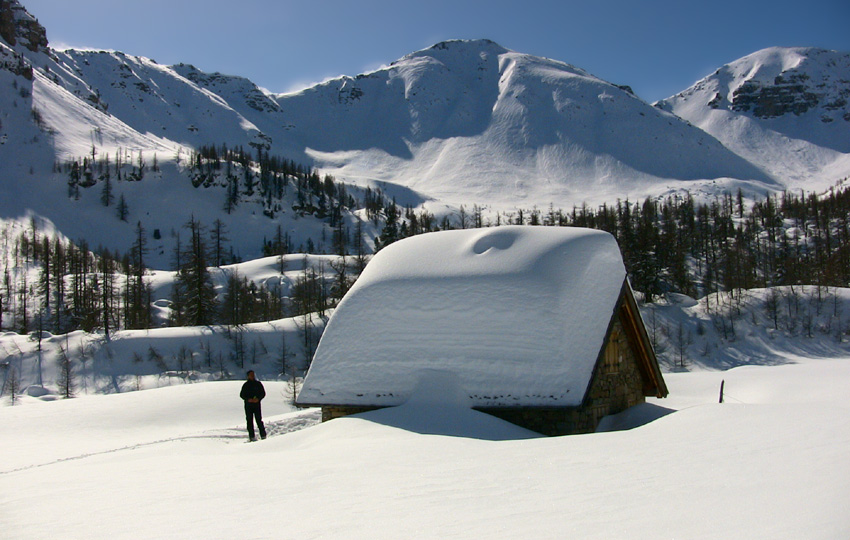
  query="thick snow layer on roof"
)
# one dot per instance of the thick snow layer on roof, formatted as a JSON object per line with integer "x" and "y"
{"x": 517, "y": 314}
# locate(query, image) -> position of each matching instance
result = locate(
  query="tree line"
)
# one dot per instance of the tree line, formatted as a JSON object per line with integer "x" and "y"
{"x": 670, "y": 245}
{"x": 676, "y": 244}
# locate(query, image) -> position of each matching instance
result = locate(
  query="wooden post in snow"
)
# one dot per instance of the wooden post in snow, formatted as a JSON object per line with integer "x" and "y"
{"x": 722, "y": 382}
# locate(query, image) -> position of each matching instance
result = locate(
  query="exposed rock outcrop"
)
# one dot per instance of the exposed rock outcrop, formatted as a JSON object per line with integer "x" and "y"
{"x": 787, "y": 95}
{"x": 17, "y": 26}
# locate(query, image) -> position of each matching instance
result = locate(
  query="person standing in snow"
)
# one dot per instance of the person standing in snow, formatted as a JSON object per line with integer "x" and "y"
{"x": 252, "y": 393}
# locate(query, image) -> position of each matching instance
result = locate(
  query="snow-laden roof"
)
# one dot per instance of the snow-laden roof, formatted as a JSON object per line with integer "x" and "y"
{"x": 515, "y": 315}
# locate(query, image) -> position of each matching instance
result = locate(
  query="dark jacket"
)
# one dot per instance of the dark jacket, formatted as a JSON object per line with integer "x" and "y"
{"x": 252, "y": 389}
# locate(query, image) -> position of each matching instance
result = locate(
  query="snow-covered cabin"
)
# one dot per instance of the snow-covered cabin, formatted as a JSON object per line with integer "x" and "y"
{"x": 536, "y": 325}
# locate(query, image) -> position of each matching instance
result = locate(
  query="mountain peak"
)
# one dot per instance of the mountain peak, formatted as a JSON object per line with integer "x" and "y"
{"x": 773, "y": 62}
{"x": 460, "y": 48}
{"x": 479, "y": 44}
{"x": 780, "y": 82}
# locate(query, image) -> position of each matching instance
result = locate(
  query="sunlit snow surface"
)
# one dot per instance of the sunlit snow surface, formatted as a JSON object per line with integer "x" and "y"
{"x": 517, "y": 314}
{"x": 771, "y": 462}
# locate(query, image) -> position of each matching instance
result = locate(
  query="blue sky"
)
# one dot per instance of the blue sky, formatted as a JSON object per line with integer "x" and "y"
{"x": 658, "y": 47}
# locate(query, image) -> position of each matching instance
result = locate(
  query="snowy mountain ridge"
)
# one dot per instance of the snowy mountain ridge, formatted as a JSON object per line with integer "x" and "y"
{"x": 470, "y": 121}
{"x": 461, "y": 122}
{"x": 784, "y": 109}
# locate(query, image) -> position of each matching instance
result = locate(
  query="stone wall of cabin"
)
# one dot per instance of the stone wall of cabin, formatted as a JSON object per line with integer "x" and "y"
{"x": 616, "y": 385}
{"x": 329, "y": 412}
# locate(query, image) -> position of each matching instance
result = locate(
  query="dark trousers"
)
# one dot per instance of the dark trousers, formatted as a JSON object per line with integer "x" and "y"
{"x": 252, "y": 411}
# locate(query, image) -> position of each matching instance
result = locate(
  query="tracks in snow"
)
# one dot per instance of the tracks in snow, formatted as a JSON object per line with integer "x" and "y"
{"x": 274, "y": 428}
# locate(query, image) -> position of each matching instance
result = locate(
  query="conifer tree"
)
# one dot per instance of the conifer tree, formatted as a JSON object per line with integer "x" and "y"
{"x": 13, "y": 385}
{"x": 66, "y": 379}
{"x": 283, "y": 359}
{"x": 74, "y": 176}
{"x": 194, "y": 280}
{"x": 23, "y": 304}
{"x": 122, "y": 211}
{"x": 60, "y": 269}
{"x": 138, "y": 306}
{"x": 391, "y": 227}
{"x": 176, "y": 316}
{"x": 107, "y": 294}
{"x": 218, "y": 235}
{"x": 232, "y": 302}
{"x": 232, "y": 193}
{"x": 360, "y": 256}
{"x": 106, "y": 195}
{"x": 342, "y": 281}
{"x": 45, "y": 282}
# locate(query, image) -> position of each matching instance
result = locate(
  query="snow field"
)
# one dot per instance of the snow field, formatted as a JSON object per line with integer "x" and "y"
{"x": 768, "y": 463}
{"x": 37, "y": 432}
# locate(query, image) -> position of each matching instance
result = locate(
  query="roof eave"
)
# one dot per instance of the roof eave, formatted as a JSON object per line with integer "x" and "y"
{"x": 647, "y": 359}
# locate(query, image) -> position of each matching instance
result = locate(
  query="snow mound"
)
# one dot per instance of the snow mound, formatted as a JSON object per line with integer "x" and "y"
{"x": 439, "y": 405}
{"x": 36, "y": 391}
{"x": 517, "y": 314}
{"x": 447, "y": 420}
{"x": 436, "y": 387}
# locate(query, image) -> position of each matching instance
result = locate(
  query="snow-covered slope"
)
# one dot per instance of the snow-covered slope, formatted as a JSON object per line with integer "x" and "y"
{"x": 51, "y": 91}
{"x": 470, "y": 121}
{"x": 129, "y": 360}
{"x": 166, "y": 101}
{"x": 784, "y": 109}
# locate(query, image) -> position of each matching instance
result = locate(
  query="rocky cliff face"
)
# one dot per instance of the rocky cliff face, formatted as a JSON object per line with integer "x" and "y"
{"x": 18, "y": 27}
{"x": 787, "y": 95}
{"x": 794, "y": 92}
